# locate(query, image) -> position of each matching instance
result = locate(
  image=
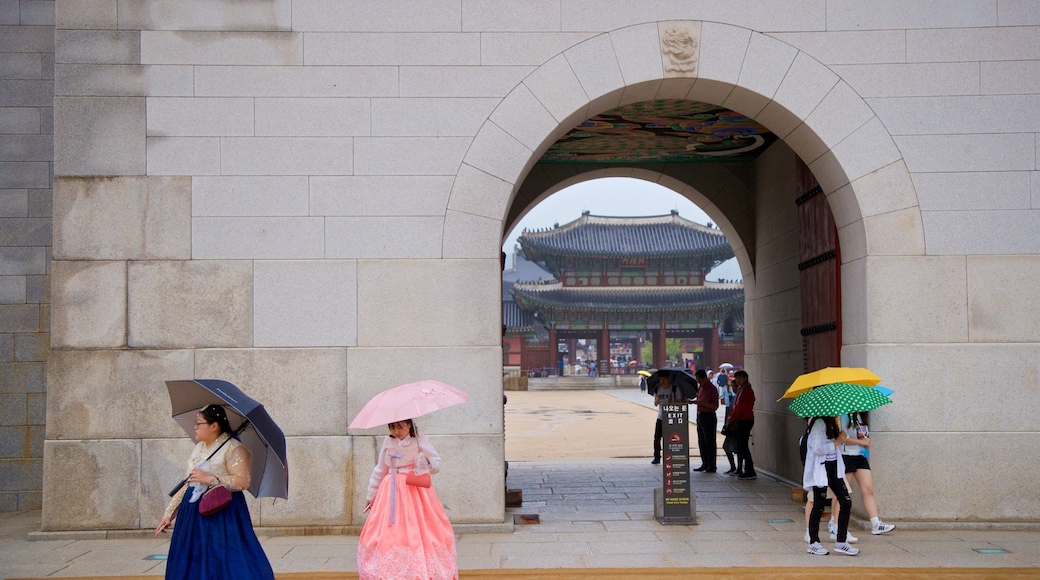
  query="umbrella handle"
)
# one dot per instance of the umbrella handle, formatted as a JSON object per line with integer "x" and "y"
{"x": 174, "y": 491}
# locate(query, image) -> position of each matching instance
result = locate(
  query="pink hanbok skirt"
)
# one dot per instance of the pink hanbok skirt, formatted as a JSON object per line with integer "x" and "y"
{"x": 420, "y": 545}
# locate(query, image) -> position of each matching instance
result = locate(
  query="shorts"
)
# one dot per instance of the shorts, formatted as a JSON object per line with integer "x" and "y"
{"x": 855, "y": 462}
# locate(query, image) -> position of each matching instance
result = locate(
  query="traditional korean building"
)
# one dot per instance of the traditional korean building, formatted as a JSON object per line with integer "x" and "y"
{"x": 621, "y": 281}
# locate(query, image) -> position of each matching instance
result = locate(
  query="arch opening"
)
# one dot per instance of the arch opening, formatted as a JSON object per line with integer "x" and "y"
{"x": 585, "y": 345}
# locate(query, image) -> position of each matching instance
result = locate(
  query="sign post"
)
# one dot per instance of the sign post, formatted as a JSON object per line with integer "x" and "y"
{"x": 677, "y": 494}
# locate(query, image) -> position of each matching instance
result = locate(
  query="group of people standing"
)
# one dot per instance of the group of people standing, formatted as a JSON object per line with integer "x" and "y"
{"x": 739, "y": 420}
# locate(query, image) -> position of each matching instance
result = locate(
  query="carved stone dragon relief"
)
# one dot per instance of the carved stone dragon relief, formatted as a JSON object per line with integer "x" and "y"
{"x": 679, "y": 50}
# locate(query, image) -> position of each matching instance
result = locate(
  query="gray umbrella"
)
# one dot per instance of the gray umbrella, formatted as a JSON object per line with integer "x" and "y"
{"x": 269, "y": 476}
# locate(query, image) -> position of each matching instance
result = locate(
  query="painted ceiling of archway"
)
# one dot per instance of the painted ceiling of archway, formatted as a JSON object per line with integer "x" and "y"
{"x": 662, "y": 131}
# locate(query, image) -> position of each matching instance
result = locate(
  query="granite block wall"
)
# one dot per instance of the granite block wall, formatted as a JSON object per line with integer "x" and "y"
{"x": 26, "y": 158}
{"x": 323, "y": 186}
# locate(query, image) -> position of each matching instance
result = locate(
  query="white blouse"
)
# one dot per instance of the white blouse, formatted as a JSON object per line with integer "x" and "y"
{"x": 405, "y": 452}
{"x": 230, "y": 464}
{"x": 818, "y": 448}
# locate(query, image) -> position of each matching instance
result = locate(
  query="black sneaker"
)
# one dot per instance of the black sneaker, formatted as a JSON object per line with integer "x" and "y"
{"x": 734, "y": 473}
{"x": 748, "y": 476}
{"x": 701, "y": 468}
{"x": 731, "y": 471}
{"x": 656, "y": 461}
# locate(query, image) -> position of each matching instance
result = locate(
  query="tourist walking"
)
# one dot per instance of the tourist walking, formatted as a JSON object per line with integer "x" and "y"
{"x": 722, "y": 382}
{"x": 824, "y": 468}
{"x": 407, "y": 533}
{"x": 707, "y": 422}
{"x": 221, "y": 545}
{"x": 855, "y": 453}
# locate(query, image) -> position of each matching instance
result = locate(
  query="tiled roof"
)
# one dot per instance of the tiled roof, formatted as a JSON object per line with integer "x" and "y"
{"x": 523, "y": 270}
{"x": 640, "y": 298}
{"x": 590, "y": 235}
{"x": 515, "y": 319}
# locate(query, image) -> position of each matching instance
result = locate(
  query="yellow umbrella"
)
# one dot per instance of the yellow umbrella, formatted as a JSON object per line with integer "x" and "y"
{"x": 645, "y": 373}
{"x": 853, "y": 375}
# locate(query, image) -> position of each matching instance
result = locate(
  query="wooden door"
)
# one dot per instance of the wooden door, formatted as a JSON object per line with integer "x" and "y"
{"x": 819, "y": 262}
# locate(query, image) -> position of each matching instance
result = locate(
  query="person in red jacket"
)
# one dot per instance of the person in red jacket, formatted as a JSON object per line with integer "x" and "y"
{"x": 741, "y": 420}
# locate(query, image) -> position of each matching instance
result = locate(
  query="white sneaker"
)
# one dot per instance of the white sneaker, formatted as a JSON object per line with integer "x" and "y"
{"x": 846, "y": 549}
{"x": 806, "y": 538}
{"x": 881, "y": 528}
{"x": 833, "y": 529}
{"x": 849, "y": 538}
{"x": 817, "y": 549}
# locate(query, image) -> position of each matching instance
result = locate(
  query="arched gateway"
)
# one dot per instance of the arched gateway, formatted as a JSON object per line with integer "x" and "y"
{"x": 316, "y": 317}
{"x": 819, "y": 119}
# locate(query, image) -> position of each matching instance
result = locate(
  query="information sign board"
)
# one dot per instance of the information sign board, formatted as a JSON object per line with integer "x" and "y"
{"x": 675, "y": 465}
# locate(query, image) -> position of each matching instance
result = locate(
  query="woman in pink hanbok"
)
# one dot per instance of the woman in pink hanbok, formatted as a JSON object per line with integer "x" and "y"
{"x": 407, "y": 534}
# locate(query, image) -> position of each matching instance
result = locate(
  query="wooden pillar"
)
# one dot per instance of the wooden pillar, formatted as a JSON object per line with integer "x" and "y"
{"x": 659, "y": 348}
{"x": 523, "y": 354}
{"x": 553, "y": 348}
{"x": 604, "y": 349}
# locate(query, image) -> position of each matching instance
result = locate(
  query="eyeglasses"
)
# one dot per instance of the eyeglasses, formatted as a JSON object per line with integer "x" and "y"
{"x": 202, "y": 423}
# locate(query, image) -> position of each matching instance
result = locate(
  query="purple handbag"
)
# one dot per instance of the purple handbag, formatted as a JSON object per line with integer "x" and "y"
{"x": 214, "y": 500}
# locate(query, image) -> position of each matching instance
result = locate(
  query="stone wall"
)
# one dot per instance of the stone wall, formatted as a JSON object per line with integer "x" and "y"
{"x": 309, "y": 222}
{"x": 26, "y": 155}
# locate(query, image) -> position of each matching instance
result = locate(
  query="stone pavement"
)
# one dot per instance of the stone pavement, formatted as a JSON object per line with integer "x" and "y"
{"x": 592, "y": 514}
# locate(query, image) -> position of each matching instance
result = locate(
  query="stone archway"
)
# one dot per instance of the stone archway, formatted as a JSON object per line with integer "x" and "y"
{"x": 818, "y": 117}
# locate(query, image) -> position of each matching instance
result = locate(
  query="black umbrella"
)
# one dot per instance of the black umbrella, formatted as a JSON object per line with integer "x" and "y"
{"x": 681, "y": 378}
{"x": 269, "y": 476}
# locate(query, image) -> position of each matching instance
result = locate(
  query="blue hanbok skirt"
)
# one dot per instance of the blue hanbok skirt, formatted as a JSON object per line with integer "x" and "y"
{"x": 222, "y": 546}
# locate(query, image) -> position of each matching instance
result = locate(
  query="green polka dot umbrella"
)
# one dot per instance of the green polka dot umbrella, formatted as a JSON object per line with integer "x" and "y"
{"x": 837, "y": 399}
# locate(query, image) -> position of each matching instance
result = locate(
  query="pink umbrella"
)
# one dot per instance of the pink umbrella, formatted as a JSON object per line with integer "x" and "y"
{"x": 407, "y": 402}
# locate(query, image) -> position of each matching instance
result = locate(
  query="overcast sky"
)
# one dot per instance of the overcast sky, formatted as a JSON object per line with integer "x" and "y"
{"x": 613, "y": 196}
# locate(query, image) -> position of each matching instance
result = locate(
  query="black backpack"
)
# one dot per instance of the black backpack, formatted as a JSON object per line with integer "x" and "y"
{"x": 804, "y": 441}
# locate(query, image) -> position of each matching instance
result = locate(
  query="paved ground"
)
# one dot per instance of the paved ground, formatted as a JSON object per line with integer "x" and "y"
{"x": 579, "y": 425}
{"x": 594, "y": 512}
{"x": 583, "y": 425}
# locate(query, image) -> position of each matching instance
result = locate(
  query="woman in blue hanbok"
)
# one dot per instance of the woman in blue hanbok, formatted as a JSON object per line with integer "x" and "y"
{"x": 221, "y": 545}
